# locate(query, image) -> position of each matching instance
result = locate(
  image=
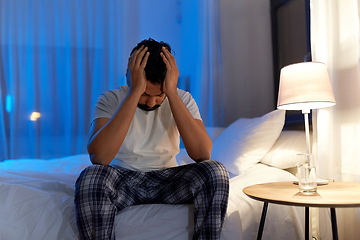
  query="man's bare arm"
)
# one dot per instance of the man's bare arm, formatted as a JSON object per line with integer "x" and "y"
{"x": 107, "y": 135}
{"x": 193, "y": 133}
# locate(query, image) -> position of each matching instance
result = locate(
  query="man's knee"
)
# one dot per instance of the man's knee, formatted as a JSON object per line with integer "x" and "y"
{"x": 217, "y": 167}
{"x": 216, "y": 170}
{"x": 93, "y": 177}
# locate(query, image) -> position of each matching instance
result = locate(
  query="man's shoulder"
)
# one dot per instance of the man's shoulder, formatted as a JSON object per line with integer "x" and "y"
{"x": 124, "y": 89}
{"x": 116, "y": 93}
{"x": 183, "y": 93}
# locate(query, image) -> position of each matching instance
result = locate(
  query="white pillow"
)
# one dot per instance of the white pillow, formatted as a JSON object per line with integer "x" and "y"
{"x": 283, "y": 153}
{"x": 246, "y": 141}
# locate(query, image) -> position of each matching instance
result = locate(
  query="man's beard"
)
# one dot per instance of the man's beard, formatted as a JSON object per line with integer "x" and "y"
{"x": 147, "y": 108}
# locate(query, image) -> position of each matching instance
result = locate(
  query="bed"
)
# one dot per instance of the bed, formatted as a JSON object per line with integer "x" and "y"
{"x": 36, "y": 195}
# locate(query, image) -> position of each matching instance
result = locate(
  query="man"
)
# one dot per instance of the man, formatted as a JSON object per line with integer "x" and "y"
{"x": 133, "y": 143}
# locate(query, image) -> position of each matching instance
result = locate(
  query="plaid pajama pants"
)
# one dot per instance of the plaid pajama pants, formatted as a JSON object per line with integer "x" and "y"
{"x": 102, "y": 191}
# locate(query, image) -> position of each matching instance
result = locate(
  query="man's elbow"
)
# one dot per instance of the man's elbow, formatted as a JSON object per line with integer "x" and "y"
{"x": 97, "y": 158}
{"x": 205, "y": 155}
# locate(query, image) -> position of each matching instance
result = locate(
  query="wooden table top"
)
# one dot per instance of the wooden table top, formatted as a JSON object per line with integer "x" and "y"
{"x": 332, "y": 195}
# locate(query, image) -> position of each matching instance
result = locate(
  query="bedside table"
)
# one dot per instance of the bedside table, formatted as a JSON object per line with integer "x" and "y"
{"x": 332, "y": 195}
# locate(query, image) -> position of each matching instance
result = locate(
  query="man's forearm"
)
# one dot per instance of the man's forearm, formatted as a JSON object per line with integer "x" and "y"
{"x": 107, "y": 137}
{"x": 192, "y": 131}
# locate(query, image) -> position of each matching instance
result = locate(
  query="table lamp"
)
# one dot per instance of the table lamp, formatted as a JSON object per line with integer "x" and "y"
{"x": 305, "y": 86}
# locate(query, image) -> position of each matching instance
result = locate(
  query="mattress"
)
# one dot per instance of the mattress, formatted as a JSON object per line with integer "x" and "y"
{"x": 37, "y": 202}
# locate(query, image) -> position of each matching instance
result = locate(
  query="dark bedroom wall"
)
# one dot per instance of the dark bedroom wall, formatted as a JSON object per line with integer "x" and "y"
{"x": 247, "y": 58}
{"x": 291, "y": 42}
{"x": 252, "y": 57}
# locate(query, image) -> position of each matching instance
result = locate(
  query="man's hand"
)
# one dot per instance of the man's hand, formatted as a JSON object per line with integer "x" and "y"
{"x": 172, "y": 73}
{"x": 136, "y": 70}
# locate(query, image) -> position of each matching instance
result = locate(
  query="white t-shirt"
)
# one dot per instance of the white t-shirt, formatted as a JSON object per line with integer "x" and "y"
{"x": 153, "y": 139}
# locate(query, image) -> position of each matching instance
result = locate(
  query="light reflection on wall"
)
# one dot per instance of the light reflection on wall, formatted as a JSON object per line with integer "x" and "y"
{"x": 349, "y": 151}
{"x": 35, "y": 116}
{"x": 8, "y": 103}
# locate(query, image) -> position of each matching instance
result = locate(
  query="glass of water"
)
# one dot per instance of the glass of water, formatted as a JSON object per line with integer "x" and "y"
{"x": 306, "y": 174}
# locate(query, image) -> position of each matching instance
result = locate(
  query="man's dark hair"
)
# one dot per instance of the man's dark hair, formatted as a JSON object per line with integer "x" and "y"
{"x": 155, "y": 69}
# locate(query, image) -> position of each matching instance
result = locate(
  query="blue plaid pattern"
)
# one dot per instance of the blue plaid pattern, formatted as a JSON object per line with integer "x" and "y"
{"x": 102, "y": 191}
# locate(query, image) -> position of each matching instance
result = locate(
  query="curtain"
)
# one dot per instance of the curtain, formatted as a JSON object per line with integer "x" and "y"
{"x": 55, "y": 61}
{"x": 210, "y": 76}
{"x": 56, "y": 57}
{"x": 335, "y": 41}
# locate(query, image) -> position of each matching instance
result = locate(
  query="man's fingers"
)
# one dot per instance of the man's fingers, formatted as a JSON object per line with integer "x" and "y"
{"x": 164, "y": 58}
{"x": 168, "y": 58}
{"x": 135, "y": 56}
{"x": 166, "y": 52}
{"x": 139, "y": 55}
{"x": 144, "y": 61}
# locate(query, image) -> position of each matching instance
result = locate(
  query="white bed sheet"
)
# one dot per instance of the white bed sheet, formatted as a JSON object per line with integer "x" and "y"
{"x": 36, "y": 202}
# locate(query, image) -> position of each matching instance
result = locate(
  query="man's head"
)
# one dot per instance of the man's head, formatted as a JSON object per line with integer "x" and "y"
{"x": 155, "y": 72}
{"x": 155, "y": 69}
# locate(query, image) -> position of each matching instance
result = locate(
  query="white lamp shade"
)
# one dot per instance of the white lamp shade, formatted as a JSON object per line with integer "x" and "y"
{"x": 305, "y": 86}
